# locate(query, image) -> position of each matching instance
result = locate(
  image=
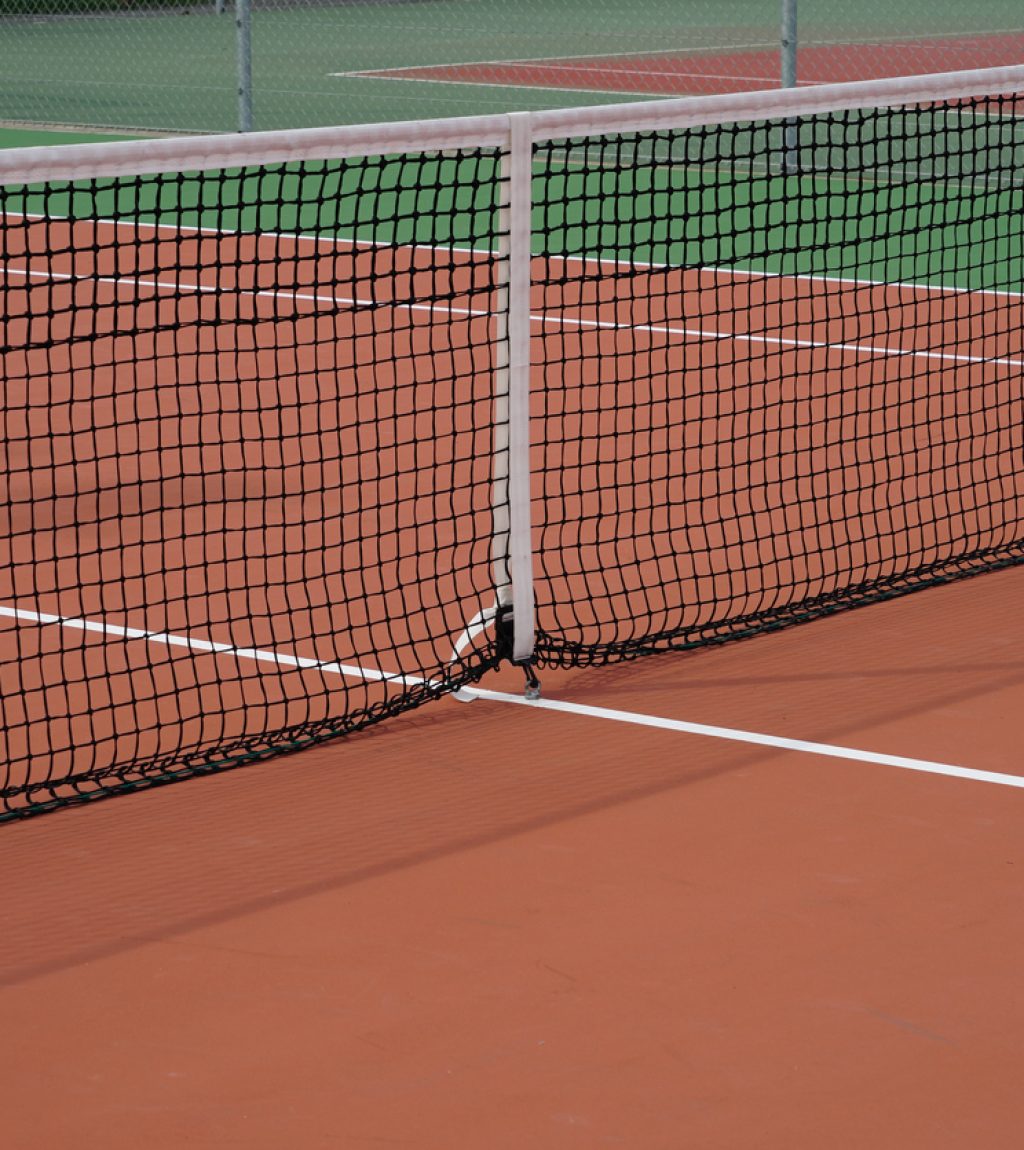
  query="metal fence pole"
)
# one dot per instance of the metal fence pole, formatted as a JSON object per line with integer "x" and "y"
{"x": 788, "y": 43}
{"x": 788, "y": 40}
{"x": 243, "y": 35}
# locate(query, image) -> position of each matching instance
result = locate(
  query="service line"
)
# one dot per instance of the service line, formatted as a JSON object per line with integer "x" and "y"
{"x": 545, "y": 319}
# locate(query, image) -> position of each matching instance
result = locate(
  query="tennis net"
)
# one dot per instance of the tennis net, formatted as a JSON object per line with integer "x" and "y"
{"x": 302, "y": 430}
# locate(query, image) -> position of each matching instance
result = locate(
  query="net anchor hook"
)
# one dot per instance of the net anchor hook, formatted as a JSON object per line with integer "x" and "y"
{"x": 504, "y": 635}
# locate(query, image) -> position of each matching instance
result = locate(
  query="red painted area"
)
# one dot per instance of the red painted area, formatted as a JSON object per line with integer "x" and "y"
{"x": 736, "y": 443}
{"x": 681, "y": 73}
{"x": 488, "y": 927}
{"x": 206, "y": 464}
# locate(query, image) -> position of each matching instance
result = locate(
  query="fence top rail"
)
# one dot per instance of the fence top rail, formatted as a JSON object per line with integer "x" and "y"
{"x": 205, "y": 153}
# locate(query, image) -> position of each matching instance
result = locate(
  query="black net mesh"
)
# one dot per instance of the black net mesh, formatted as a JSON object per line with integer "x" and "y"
{"x": 781, "y": 371}
{"x": 249, "y": 495}
{"x": 245, "y": 461}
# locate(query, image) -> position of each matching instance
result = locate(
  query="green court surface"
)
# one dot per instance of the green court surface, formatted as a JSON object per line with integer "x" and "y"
{"x": 943, "y": 215}
{"x": 52, "y": 137}
{"x": 172, "y": 68}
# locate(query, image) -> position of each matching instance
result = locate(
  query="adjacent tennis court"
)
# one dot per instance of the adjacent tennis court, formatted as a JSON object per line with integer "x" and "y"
{"x": 171, "y": 65}
{"x": 655, "y": 72}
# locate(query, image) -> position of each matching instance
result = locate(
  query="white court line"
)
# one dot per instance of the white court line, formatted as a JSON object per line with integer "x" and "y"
{"x": 638, "y": 55}
{"x": 981, "y": 36}
{"x": 777, "y": 742}
{"x": 532, "y": 65}
{"x": 709, "y": 51}
{"x": 541, "y": 88}
{"x": 494, "y": 84}
{"x": 733, "y": 735}
{"x": 715, "y": 51}
{"x": 701, "y": 334}
{"x": 600, "y": 261}
{"x": 205, "y": 646}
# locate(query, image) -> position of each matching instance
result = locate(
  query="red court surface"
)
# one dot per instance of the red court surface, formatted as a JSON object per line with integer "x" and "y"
{"x": 683, "y": 73}
{"x": 491, "y": 926}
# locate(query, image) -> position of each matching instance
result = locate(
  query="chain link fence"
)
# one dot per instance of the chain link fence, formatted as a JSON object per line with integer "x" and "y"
{"x": 224, "y": 65}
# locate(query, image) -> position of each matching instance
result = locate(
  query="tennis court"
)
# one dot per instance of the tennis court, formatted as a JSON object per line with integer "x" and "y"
{"x": 661, "y": 73}
{"x": 264, "y": 456}
{"x": 170, "y": 65}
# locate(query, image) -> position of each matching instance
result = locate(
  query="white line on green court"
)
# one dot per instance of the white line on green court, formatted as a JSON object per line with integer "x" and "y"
{"x": 532, "y": 61}
{"x": 508, "y": 85}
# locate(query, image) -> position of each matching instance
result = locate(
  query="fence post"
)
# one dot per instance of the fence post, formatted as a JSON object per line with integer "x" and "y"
{"x": 788, "y": 43}
{"x": 243, "y": 36}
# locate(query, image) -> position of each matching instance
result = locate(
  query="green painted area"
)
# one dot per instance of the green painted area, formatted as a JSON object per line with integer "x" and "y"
{"x": 900, "y": 197}
{"x": 50, "y": 138}
{"x": 172, "y": 67}
{"x": 955, "y": 219}
{"x": 790, "y": 226}
{"x": 439, "y": 200}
